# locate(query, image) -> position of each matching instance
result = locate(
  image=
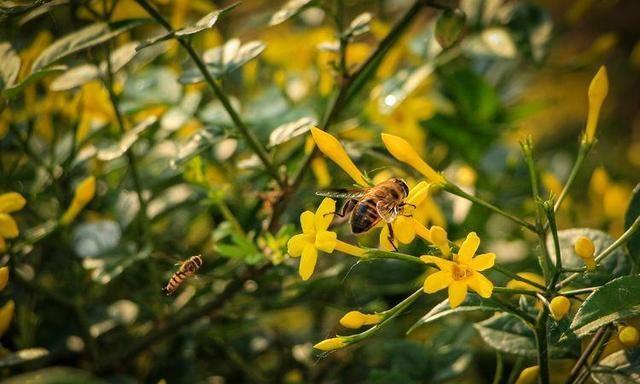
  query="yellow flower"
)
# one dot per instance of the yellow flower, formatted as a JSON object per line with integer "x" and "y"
{"x": 440, "y": 240}
{"x": 462, "y": 272}
{"x": 534, "y": 277}
{"x": 356, "y": 319}
{"x": 409, "y": 223}
{"x": 585, "y": 249}
{"x": 403, "y": 151}
{"x": 4, "y": 277}
{"x": 6, "y": 315}
{"x": 559, "y": 306}
{"x": 529, "y": 375}
{"x": 82, "y": 196}
{"x": 331, "y": 344}
{"x": 332, "y": 148}
{"x": 598, "y": 90}
{"x": 628, "y": 336}
{"x": 9, "y": 202}
{"x": 315, "y": 236}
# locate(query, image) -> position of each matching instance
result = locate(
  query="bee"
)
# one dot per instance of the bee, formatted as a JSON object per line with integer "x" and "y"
{"x": 187, "y": 269}
{"x": 368, "y": 206}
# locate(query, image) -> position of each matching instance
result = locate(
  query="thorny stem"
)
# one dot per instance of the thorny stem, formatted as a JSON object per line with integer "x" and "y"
{"x": 603, "y": 255}
{"x": 455, "y": 190}
{"x": 251, "y": 139}
{"x": 131, "y": 159}
{"x": 584, "y": 357}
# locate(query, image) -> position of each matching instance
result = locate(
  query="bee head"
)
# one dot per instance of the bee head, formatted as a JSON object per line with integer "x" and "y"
{"x": 403, "y": 185}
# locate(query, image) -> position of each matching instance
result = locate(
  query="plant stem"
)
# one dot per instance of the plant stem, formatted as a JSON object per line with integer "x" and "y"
{"x": 603, "y": 255}
{"x": 551, "y": 219}
{"x": 131, "y": 158}
{"x": 376, "y": 254}
{"x": 511, "y": 291}
{"x": 584, "y": 357}
{"x": 515, "y": 276}
{"x": 251, "y": 139}
{"x": 515, "y": 370}
{"x": 497, "y": 377}
{"x": 541, "y": 344}
{"x": 528, "y": 319}
{"x": 585, "y": 147}
{"x": 596, "y": 356}
{"x": 454, "y": 189}
{"x": 579, "y": 291}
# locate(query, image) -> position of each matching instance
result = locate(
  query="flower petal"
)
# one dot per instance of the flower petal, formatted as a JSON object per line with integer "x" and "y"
{"x": 324, "y": 213}
{"x": 8, "y": 227}
{"x": 3, "y": 245}
{"x": 308, "y": 222}
{"x": 385, "y": 244}
{"x": 457, "y": 293}
{"x": 482, "y": 262}
{"x": 480, "y": 284}
{"x": 296, "y": 244}
{"x": 403, "y": 151}
{"x": 404, "y": 230}
{"x": 437, "y": 281}
{"x": 418, "y": 193}
{"x": 332, "y": 148}
{"x": 326, "y": 241}
{"x": 468, "y": 248}
{"x": 10, "y": 202}
{"x": 308, "y": 261}
{"x": 443, "y": 264}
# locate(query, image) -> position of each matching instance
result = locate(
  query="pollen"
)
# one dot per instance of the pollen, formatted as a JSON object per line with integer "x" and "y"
{"x": 461, "y": 272}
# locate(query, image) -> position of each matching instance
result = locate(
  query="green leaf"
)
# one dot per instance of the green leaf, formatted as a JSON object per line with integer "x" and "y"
{"x": 225, "y": 59}
{"x": 22, "y": 356}
{"x": 289, "y": 131}
{"x": 616, "y": 300}
{"x": 633, "y": 212}
{"x": 41, "y": 10}
{"x": 359, "y": 26}
{"x": 32, "y": 78}
{"x": 507, "y": 333}
{"x": 622, "y": 367}
{"x": 82, "y": 39}
{"x": 56, "y": 375}
{"x": 10, "y": 65}
{"x": 128, "y": 139}
{"x": 75, "y": 77}
{"x": 290, "y": 9}
{"x": 205, "y": 22}
{"x": 615, "y": 265}
{"x": 471, "y": 303}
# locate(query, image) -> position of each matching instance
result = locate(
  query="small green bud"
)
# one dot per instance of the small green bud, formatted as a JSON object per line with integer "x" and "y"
{"x": 449, "y": 27}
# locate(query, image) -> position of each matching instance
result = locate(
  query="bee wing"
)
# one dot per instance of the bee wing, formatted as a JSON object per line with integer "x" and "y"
{"x": 342, "y": 193}
{"x": 388, "y": 212}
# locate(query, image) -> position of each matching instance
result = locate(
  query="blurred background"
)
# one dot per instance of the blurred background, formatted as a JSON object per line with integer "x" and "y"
{"x": 88, "y": 306}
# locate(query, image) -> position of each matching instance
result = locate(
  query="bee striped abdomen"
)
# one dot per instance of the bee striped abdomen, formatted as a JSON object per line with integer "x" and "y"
{"x": 364, "y": 216}
{"x": 187, "y": 269}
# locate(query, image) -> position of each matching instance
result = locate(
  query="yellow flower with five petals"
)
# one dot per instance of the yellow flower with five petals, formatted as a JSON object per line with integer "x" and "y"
{"x": 315, "y": 237}
{"x": 9, "y": 202}
{"x": 462, "y": 272}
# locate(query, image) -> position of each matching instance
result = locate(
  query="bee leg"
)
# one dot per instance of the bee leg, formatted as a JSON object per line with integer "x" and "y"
{"x": 405, "y": 215}
{"x": 346, "y": 208}
{"x": 391, "y": 237}
{"x": 402, "y": 205}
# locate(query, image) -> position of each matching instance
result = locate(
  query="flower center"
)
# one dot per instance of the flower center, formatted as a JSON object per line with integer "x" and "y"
{"x": 461, "y": 272}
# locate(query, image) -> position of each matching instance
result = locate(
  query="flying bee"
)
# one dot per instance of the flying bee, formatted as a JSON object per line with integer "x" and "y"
{"x": 187, "y": 269}
{"x": 383, "y": 201}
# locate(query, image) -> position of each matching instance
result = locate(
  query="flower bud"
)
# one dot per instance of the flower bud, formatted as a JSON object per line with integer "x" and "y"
{"x": 356, "y": 319}
{"x": 529, "y": 375}
{"x": 6, "y": 315}
{"x": 628, "y": 336}
{"x": 331, "y": 344}
{"x": 559, "y": 306}
{"x": 403, "y": 151}
{"x": 585, "y": 249}
{"x": 83, "y": 194}
{"x": 11, "y": 201}
{"x": 439, "y": 238}
{"x": 4, "y": 277}
{"x": 332, "y": 148}
{"x": 598, "y": 90}
{"x": 449, "y": 27}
